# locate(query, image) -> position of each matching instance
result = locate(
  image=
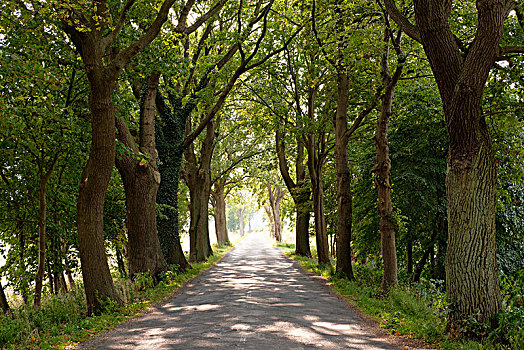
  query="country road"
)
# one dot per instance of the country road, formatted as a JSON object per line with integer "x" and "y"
{"x": 255, "y": 298}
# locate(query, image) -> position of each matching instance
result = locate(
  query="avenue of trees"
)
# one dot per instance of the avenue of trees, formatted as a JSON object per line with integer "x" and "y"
{"x": 389, "y": 133}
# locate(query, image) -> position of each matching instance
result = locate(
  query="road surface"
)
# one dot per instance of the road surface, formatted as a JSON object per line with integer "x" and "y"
{"x": 255, "y": 298}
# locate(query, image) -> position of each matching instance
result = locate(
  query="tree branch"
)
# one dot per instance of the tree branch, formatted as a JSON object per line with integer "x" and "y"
{"x": 110, "y": 39}
{"x": 402, "y": 21}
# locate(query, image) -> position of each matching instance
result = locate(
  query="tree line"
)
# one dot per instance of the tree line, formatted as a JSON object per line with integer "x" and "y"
{"x": 396, "y": 124}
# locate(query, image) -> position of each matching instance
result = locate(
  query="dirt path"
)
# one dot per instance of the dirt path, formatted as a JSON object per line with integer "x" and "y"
{"x": 255, "y": 298}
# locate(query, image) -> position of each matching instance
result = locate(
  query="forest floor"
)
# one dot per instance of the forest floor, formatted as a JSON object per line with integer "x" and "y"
{"x": 255, "y": 298}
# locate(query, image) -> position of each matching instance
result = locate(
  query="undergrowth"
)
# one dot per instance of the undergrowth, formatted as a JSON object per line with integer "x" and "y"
{"x": 419, "y": 310}
{"x": 63, "y": 321}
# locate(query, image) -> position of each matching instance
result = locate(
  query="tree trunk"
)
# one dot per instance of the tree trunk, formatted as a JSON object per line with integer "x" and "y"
{"x": 275, "y": 196}
{"x": 39, "y": 282}
{"x": 320, "y": 223}
{"x": 241, "y": 221}
{"x": 141, "y": 180}
{"x": 3, "y": 301}
{"x": 220, "y": 214}
{"x": 382, "y": 166}
{"x": 471, "y": 182}
{"x": 471, "y": 265}
{"x": 299, "y": 192}
{"x": 421, "y": 263}
{"x": 278, "y": 222}
{"x": 168, "y": 224}
{"x": 95, "y": 178}
{"x": 269, "y": 214}
{"x": 340, "y": 123}
{"x": 199, "y": 183}
{"x": 302, "y": 229}
{"x": 169, "y": 143}
{"x": 42, "y": 223}
{"x": 71, "y": 280}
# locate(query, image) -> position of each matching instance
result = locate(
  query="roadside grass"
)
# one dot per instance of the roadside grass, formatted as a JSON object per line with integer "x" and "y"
{"x": 411, "y": 310}
{"x": 63, "y": 322}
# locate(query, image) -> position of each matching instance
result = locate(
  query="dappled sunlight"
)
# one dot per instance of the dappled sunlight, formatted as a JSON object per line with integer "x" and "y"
{"x": 253, "y": 299}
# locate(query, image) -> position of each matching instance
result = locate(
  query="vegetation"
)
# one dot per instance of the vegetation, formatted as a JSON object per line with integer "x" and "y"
{"x": 420, "y": 310}
{"x": 62, "y": 321}
{"x": 391, "y": 131}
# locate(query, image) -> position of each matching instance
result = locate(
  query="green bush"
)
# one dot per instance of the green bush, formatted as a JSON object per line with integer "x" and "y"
{"x": 510, "y": 319}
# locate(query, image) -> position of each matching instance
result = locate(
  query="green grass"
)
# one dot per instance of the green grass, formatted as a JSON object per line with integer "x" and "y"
{"x": 416, "y": 311}
{"x": 63, "y": 322}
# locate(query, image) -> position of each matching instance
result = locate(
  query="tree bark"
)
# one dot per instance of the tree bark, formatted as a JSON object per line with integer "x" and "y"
{"x": 315, "y": 161}
{"x": 299, "y": 192}
{"x": 269, "y": 214}
{"x": 220, "y": 214}
{"x": 382, "y": 166}
{"x": 95, "y": 178}
{"x": 141, "y": 181}
{"x": 199, "y": 183}
{"x": 344, "y": 196}
{"x": 275, "y": 195}
{"x": 471, "y": 266}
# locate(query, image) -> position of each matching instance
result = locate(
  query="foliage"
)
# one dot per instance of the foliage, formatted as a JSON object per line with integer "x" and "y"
{"x": 62, "y": 320}
{"x": 419, "y": 310}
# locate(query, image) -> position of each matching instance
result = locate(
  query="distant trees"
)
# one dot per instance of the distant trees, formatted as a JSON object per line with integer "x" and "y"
{"x": 312, "y": 105}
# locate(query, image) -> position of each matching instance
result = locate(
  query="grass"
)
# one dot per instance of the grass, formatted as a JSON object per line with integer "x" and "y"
{"x": 411, "y": 310}
{"x": 62, "y": 321}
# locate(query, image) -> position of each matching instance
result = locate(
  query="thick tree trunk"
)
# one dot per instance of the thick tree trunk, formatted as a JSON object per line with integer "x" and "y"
{"x": 471, "y": 267}
{"x": 302, "y": 229}
{"x": 141, "y": 180}
{"x": 220, "y": 214}
{"x": 95, "y": 178}
{"x": 168, "y": 224}
{"x": 340, "y": 123}
{"x": 3, "y": 301}
{"x": 169, "y": 143}
{"x": 199, "y": 183}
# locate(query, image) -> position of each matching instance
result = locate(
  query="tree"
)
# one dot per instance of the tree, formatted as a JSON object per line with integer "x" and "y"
{"x": 383, "y": 163}
{"x": 95, "y": 30}
{"x": 184, "y": 101}
{"x": 275, "y": 196}
{"x": 138, "y": 168}
{"x": 461, "y": 72}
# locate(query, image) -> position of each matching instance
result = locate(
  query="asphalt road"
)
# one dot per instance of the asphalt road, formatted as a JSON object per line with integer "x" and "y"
{"x": 255, "y": 298}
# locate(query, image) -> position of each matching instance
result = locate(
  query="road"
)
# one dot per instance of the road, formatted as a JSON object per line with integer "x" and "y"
{"x": 255, "y": 298}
